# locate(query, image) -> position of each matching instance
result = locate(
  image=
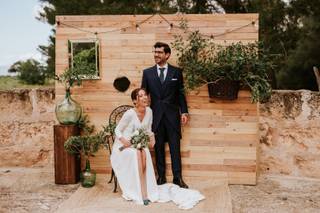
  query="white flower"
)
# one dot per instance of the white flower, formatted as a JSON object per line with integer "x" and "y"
{"x": 139, "y": 146}
{"x": 136, "y": 132}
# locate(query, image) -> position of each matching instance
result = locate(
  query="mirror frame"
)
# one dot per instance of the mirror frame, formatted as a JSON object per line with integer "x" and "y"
{"x": 97, "y": 54}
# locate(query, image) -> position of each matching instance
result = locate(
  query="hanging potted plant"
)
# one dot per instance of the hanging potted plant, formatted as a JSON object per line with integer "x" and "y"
{"x": 223, "y": 69}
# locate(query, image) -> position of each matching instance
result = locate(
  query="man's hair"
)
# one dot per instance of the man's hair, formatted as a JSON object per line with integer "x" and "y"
{"x": 165, "y": 46}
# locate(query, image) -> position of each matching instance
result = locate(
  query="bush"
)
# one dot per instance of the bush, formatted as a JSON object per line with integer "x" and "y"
{"x": 29, "y": 71}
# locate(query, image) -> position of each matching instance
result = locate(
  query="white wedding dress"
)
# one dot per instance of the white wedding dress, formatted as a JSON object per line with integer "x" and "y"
{"x": 125, "y": 166}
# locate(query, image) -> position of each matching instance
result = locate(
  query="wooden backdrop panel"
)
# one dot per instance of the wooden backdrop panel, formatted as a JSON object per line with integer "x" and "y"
{"x": 222, "y": 136}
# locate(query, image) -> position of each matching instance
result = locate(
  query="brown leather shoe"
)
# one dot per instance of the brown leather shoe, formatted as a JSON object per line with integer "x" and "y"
{"x": 180, "y": 182}
{"x": 161, "y": 180}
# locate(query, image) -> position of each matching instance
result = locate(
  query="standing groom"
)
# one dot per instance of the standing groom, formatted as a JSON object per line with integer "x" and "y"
{"x": 164, "y": 83}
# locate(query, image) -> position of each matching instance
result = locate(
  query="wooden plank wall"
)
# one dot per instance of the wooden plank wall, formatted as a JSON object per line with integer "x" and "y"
{"x": 222, "y": 136}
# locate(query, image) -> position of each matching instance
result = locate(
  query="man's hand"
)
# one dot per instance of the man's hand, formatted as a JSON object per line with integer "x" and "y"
{"x": 152, "y": 141}
{"x": 184, "y": 118}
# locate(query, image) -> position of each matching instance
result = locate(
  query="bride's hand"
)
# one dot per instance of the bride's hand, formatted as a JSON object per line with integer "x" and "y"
{"x": 125, "y": 142}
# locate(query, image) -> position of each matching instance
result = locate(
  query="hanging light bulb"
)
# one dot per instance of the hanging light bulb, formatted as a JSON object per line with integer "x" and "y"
{"x": 211, "y": 38}
{"x": 255, "y": 24}
{"x": 170, "y": 27}
{"x": 138, "y": 28}
{"x": 158, "y": 9}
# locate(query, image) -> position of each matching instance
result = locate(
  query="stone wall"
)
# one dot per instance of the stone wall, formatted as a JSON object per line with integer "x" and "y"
{"x": 290, "y": 134}
{"x": 289, "y": 131}
{"x": 26, "y": 127}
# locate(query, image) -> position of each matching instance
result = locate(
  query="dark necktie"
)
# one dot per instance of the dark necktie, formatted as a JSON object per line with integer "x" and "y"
{"x": 161, "y": 76}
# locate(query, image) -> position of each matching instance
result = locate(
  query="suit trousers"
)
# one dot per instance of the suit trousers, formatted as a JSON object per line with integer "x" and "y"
{"x": 164, "y": 133}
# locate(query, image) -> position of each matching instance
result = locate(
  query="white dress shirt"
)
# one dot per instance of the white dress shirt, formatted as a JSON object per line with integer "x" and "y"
{"x": 165, "y": 70}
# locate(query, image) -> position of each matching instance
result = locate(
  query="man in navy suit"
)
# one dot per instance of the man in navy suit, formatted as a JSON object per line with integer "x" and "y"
{"x": 164, "y": 83}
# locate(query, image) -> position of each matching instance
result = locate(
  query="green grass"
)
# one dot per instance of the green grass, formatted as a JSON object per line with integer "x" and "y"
{"x": 12, "y": 82}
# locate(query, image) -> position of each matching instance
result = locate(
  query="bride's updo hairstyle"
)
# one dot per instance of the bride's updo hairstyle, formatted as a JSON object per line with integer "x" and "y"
{"x": 134, "y": 94}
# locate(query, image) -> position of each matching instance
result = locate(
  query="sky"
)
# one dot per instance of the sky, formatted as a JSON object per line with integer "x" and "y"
{"x": 20, "y": 32}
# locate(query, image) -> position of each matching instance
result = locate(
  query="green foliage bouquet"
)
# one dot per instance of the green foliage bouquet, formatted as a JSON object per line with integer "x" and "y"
{"x": 83, "y": 67}
{"x": 204, "y": 62}
{"x": 69, "y": 77}
{"x": 139, "y": 140}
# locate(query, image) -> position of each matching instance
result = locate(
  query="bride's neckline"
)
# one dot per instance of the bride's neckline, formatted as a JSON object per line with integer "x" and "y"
{"x": 136, "y": 113}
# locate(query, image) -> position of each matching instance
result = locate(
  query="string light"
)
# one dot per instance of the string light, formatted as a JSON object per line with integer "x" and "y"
{"x": 138, "y": 28}
{"x": 211, "y": 38}
{"x": 255, "y": 24}
{"x": 170, "y": 27}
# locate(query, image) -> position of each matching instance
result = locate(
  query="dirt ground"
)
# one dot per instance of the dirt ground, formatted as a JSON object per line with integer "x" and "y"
{"x": 275, "y": 194}
{"x": 33, "y": 190}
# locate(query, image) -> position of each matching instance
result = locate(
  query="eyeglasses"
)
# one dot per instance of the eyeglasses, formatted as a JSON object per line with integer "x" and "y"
{"x": 158, "y": 52}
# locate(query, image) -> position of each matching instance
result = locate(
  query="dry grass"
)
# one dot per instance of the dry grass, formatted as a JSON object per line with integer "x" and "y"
{"x": 12, "y": 82}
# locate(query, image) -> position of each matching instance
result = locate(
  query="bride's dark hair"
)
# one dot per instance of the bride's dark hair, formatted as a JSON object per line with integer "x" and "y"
{"x": 135, "y": 92}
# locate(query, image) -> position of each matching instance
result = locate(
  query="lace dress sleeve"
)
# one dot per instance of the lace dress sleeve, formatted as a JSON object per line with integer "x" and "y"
{"x": 149, "y": 123}
{"x": 123, "y": 123}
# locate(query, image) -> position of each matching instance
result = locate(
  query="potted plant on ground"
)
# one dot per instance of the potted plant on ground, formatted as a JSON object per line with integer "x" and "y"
{"x": 86, "y": 145}
{"x": 223, "y": 69}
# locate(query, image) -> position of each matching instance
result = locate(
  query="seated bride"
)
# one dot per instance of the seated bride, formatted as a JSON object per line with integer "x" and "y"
{"x": 132, "y": 162}
{"x": 133, "y": 166}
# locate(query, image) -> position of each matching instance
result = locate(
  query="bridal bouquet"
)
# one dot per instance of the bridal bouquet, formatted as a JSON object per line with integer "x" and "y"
{"x": 139, "y": 139}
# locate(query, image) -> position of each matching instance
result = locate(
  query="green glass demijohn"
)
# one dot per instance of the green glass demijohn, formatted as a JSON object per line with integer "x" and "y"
{"x": 68, "y": 111}
{"x": 88, "y": 176}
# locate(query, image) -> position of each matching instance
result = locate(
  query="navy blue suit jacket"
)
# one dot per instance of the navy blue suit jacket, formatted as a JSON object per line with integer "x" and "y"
{"x": 167, "y": 99}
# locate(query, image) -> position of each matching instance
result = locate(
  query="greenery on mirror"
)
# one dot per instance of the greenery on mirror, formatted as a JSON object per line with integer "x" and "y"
{"x": 85, "y": 63}
{"x": 204, "y": 62}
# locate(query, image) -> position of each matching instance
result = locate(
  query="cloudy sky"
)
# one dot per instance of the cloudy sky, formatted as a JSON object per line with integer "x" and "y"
{"x": 20, "y": 32}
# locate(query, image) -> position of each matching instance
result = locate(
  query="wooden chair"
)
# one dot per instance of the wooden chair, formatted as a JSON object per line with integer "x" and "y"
{"x": 114, "y": 118}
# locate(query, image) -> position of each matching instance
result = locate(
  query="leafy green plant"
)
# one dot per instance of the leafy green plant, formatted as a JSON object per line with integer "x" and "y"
{"x": 204, "y": 62}
{"x": 88, "y": 143}
{"x": 30, "y": 71}
{"x": 69, "y": 77}
{"x": 83, "y": 68}
{"x": 85, "y": 62}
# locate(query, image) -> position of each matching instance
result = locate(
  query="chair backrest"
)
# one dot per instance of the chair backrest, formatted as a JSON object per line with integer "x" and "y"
{"x": 117, "y": 114}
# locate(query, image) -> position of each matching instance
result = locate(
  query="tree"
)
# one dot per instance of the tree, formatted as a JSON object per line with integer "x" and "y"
{"x": 29, "y": 71}
{"x": 49, "y": 52}
{"x": 298, "y": 70}
{"x": 299, "y": 67}
{"x": 282, "y": 29}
